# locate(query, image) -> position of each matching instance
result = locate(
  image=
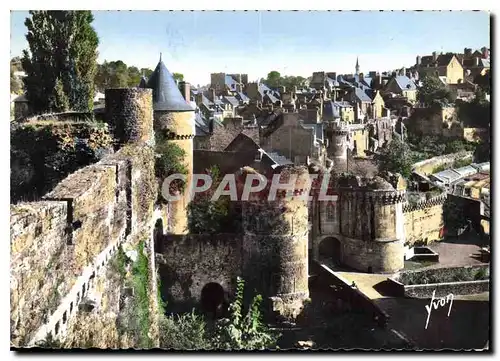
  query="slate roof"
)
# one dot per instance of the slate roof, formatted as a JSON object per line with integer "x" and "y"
{"x": 361, "y": 95}
{"x": 442, "y": 60}
{"x": 466, "y": 171}
{"x": 200, "y": 125}
{"x": 242, "y": 96}
{"x": 166, "y": 94}
{"x": 278, "y": 159}
{"x": 332, "y": 82}
{"x": 367, "y": 81}
{"x": 482, "y": 166}
{"x": 265, "y": 90}
{"x": 405, "y": 83}
{"x": 447, "y": 176}
{"x": 231, "y": 100}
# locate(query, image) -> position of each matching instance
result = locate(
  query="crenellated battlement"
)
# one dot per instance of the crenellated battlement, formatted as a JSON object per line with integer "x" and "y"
{"x": 384, "y": 197}
{"x": 440, "y": 199}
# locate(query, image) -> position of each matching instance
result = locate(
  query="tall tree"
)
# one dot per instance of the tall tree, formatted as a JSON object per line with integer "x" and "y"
{"x": 433, "y": 92}
{"x": 178, "y": 76}
{"x": 273, "y": 79}
{"x": 396, "y": 157}
{"x": 63, "y": 52}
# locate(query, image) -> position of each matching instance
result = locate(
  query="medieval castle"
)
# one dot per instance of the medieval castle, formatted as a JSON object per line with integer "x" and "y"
{"x": 62, "y": 244}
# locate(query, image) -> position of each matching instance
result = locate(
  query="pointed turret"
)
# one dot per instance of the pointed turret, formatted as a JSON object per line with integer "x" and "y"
{"x": 166, "y": 94}
{"x": 144, "y": 82}
{"x": 357, "y": 66}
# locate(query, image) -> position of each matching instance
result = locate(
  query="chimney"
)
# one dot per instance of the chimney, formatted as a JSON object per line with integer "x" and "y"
{"x": 486, "y": 52}
{"x": 434, "y": 55}
{"x": 211, "y": 94}
{"x": 211, "y": 126}
{"x": 238, "y": 88}
{"x": 185, "y": 89}
{"x": 198, "y": 97}
{"x": 419, "y": 60}
{"x": 403, "y": 71}
{"x": 361, "y": 76}
{"x": 476, "y": 60}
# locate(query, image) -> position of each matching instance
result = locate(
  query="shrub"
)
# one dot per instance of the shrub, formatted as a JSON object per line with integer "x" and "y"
{"x": 458, "y": 163}
{"x": 169, "y": 160}
{"x": 184, "y": 332}
{"x": 244, "y": 331}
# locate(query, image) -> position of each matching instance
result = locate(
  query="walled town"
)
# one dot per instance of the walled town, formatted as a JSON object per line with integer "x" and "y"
{"x": 100, "y": 258}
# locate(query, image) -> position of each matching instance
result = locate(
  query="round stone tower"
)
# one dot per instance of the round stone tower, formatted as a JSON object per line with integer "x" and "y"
{"x": 372, "y": 226}
{"x": 174, "y": 121}
{"x": 337, "y": 148}
{"x": 129, "y": 112}
{"x": 276, "y": 243}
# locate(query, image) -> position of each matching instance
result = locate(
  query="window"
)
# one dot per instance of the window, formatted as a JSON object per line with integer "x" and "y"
{"x": 330, "y": 212}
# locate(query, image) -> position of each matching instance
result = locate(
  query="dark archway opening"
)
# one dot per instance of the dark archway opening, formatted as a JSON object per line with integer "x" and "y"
{"x": 330, "y": 248}
{"x": 158, "y": 236}
{"x": 212, "y": 300}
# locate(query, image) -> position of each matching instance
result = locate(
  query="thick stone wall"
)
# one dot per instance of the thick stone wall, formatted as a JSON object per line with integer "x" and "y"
{"x": 427, "y": 166}
{"x": 38, "y": 255}
{"x": 60, "y": 244}
{"x": 187, "y": 263}
{"x": 424, "y": 221}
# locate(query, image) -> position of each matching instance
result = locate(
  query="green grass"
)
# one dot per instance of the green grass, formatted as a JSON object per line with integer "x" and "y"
{"x": 444, "y": 276}
{"x": 140, "y": 283}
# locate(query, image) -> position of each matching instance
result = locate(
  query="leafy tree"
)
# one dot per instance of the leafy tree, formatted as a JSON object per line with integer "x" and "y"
{"x": 16, "y": 85}
{"x": 178, "y": 76}
{"x": 290, "y": 81}
{"x": 244, "y": 331}
{"x": 396, "y": 157}
{"x": 62, "y": 46}
{"x": 476, "y": 113}
{"x": 484, "y": 81}
{"x": 273, "y": 79}
{"x": 116, "y": 74}
{"x": 433, "y": 92}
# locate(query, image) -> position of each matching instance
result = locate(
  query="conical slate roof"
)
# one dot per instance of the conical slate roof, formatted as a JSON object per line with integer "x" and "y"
{"x": 166, "y": 94}
{"x": 144, "y": 82}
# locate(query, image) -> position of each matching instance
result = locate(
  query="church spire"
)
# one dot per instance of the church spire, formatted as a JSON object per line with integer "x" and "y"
{"x": 357, "y": 66}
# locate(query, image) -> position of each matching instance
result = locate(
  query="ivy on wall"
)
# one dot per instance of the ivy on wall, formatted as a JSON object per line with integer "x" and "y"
{"x": 44, "y": 153}
{"x": 169, "y": 160}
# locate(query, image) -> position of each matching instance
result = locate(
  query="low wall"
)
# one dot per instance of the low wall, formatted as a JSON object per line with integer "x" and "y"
{"x": 399, "y": 287}
{"x": 425, "y": 254}
{"x": 427, "y": 166}
{"x": 444, "y": 289}
{"x": 355, "y": 297}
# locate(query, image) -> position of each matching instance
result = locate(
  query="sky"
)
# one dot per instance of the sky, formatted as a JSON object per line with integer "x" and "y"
{"x": 197, "y": 43}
